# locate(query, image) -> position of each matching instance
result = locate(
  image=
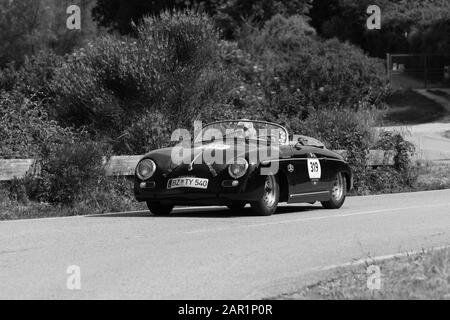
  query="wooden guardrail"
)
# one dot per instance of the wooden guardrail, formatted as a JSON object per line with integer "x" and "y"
{"x": 125, "y": 165}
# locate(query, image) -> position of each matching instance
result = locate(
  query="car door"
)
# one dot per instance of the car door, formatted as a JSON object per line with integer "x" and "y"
{"x": 308, "y": 166}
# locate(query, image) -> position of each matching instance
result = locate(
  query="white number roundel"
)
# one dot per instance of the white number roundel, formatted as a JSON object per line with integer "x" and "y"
{"x": 314, "y": 169}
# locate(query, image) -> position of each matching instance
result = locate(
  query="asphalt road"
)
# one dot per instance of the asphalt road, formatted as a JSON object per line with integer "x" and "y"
{"x": 210, "y": 252}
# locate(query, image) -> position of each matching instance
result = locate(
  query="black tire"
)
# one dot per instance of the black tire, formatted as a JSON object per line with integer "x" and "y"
{"x": 268, "y": 203}
{"x": 338, "y": 192}
{"x": 236, "y": 205}
{"x": 159, "y": 209}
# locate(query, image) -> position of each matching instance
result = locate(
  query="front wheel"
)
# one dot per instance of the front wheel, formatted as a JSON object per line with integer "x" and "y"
{"x": 268, "y": 203}
{"x": 338, "y": 192}
{"x": 159, "y": 209}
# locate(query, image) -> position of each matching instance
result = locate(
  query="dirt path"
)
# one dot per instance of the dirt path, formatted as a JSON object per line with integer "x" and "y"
{"x": 431, "y": 139}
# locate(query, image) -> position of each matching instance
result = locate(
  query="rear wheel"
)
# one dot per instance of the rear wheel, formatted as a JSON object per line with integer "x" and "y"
{"x": 236, "y": 205}
{"x": 159, "y": 209}
{"x": 268, "y": 203}
{"x": 338, "y": 192}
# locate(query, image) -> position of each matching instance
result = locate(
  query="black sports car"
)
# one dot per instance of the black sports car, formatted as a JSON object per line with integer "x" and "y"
{"x": 233, "y": 163}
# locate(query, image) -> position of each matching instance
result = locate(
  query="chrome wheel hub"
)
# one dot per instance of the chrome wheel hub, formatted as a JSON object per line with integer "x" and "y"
{"x": 337, "y": 191}
{"x": 269, "y": 192}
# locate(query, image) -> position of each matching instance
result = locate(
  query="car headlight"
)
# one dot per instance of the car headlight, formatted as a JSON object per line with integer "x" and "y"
{"x": 145, "y": 169}
{"x": 238, "y": 168}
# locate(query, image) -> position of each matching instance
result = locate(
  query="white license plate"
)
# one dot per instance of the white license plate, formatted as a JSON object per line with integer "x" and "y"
{"x": 196, "y": 183}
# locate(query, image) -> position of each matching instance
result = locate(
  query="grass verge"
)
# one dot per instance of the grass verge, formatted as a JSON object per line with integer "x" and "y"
{"x": 116, "y": 196}
{"x": 13, "y": 210}
{"x": 417, "y": 277}
{"x": 433, "y": 176}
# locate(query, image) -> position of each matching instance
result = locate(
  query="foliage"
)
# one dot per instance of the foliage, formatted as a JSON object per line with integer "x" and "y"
{"x": 426, "y": 25}
{"x": 402, "y": 176}
{"x": 149, "y": 131}
{"x": 403, "y": 154}
{"x": 110, "y": 195}
{"x": 69, "y": 171}
{"x": 33, "y": 77}
{"x": 408, "y": 26}
{"x": 29, "y": 26}
{"x": 296, "y": 71}
{"x": 17, "y": 24}
{"x": 120, "y": 15}
{"x": 229, "y": 15}
{"x": 25, "y": 127}
{"x": 169, "y": 69}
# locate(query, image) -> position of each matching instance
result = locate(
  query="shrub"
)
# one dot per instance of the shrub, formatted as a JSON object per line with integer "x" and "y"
{"x": 25, "y": 127}
{"x": 36, "y": 73}
{"x": 404, "y": 150}
{"x": 110, "y": 195}
{"x": 119, "y": 15}
{"x": 401, "y": 177}
{"x": 149, "y": 131}
{"x": 70, "y": 171}
{"x": 114, "y": 194}
{"x": 426, "y": 24}
{"x": 231, "y": 15}
{"x": 169, "y": 69}
{"x": 297, "y": 71}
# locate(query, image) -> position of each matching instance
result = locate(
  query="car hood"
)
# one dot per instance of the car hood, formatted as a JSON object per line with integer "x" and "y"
{"x": 163, "y": 157}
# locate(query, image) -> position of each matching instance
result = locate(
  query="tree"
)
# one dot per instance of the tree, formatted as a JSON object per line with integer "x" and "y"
{"x": 229, "y": 15}
{"x": 408, "y": 26}
{"x": 129, "y": 89}
{"x": 232, "y": 14}
{"x": 19, "y": 21}
{"x": 28, "y": 26}
{"x": 120, "y": 15}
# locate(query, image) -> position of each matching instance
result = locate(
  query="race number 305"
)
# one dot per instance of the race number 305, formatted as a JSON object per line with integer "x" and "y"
{"x": 314, "y": 169}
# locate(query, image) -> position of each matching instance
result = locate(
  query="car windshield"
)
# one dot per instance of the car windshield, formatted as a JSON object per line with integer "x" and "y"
{"x": 244, "y": 129}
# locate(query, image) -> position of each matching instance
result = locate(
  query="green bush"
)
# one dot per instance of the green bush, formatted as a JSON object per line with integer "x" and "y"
{"x": 27, "y": 26}
{"x": 404, "y": 150}
{"x": 297, "y": 71}
{"x": 169, "y": 69}
{"x": 402, "y": 177}
{"x": 149, "y": 131}
{"x": 110, "y": 195}
{"x": 36, "y": 73}
{"x": 426, "y": 24}
{"x": 228, "y": 15}
{"x": 25, "y": 127}
{"x": 69, "y": 171}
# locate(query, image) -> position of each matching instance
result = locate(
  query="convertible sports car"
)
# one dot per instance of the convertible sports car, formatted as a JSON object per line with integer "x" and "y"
{"x": 233, "y": 163}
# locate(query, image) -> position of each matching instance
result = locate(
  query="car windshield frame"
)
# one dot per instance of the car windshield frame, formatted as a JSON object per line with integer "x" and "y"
{"x": 205, "y": 127}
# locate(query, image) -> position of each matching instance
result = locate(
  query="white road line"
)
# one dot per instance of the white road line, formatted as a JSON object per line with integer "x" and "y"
{"x": 316, "y": 218}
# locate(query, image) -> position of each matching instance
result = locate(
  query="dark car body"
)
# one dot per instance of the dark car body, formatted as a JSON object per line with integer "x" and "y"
{"x": 294, "y": 158}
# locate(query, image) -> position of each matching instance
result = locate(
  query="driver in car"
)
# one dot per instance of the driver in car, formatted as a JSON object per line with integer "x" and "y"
{"x": 248, "y": 130}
